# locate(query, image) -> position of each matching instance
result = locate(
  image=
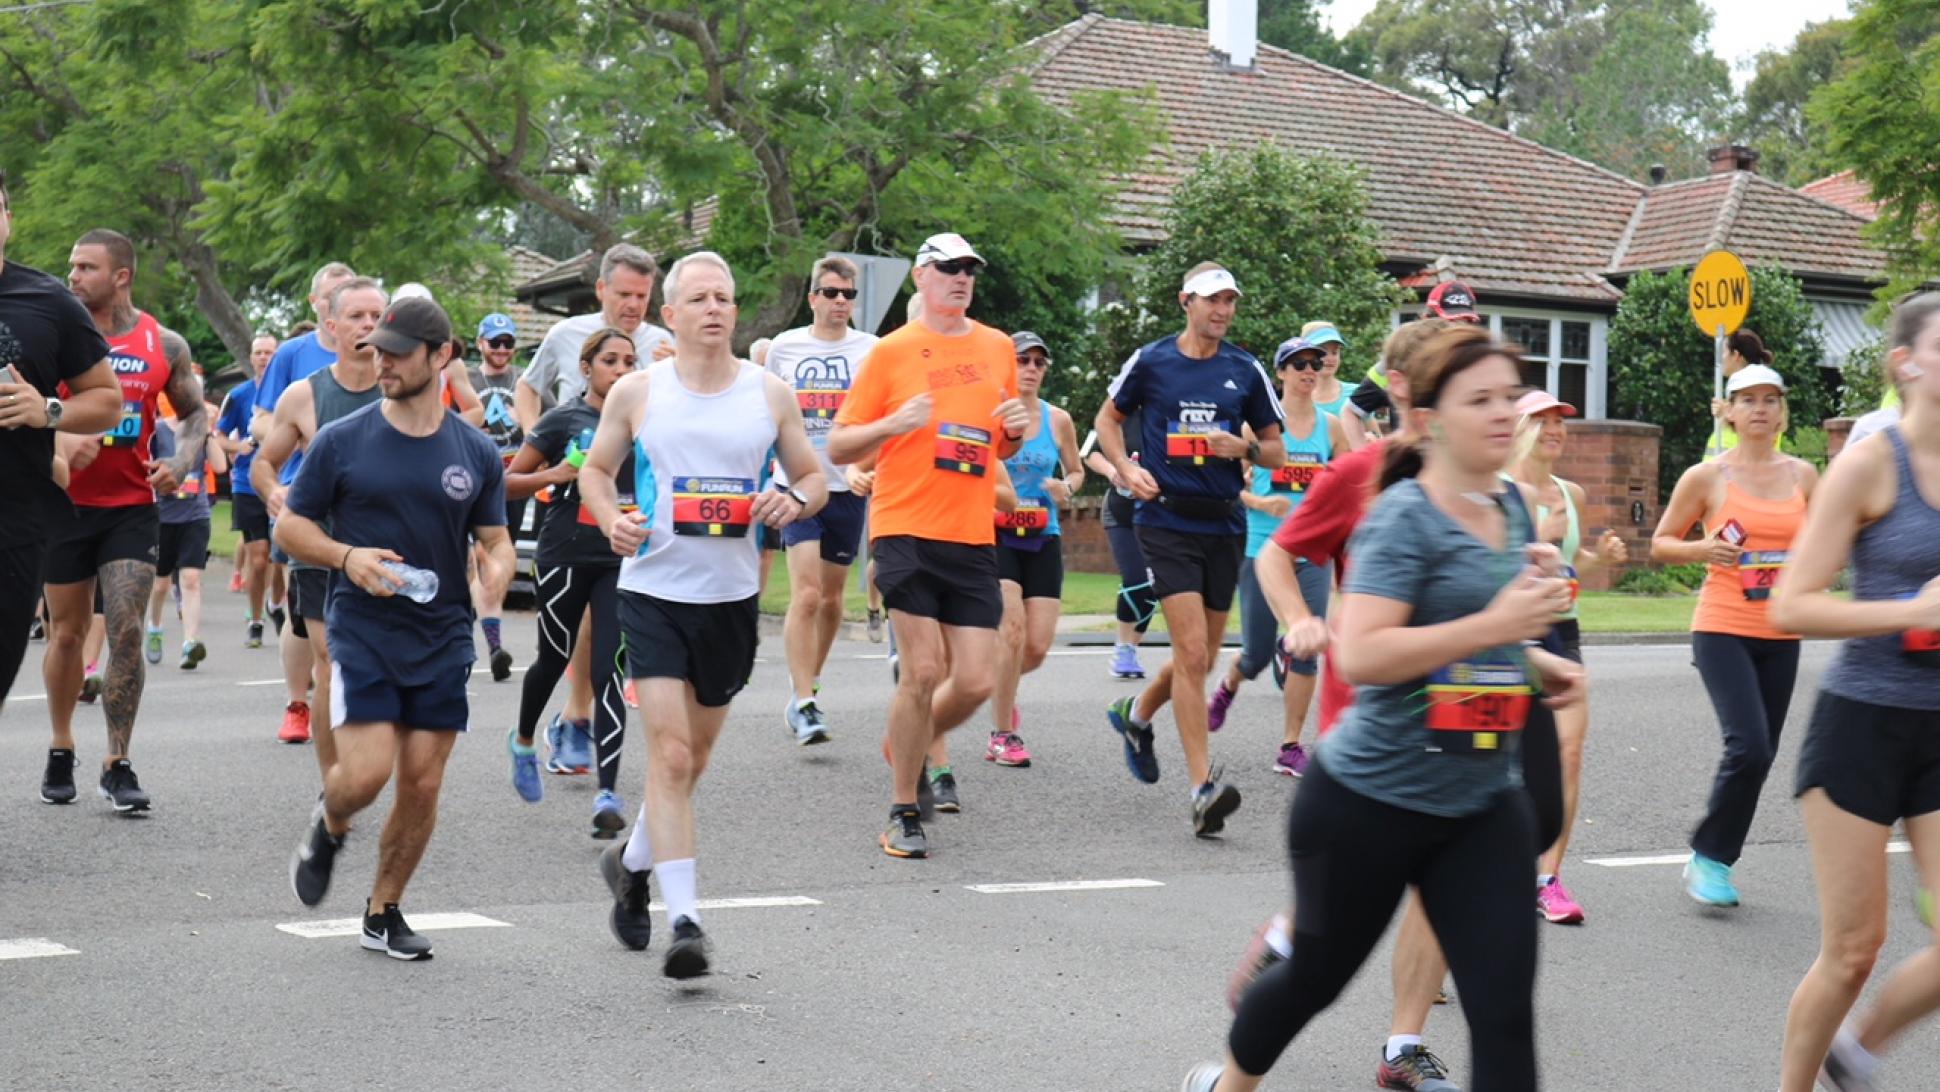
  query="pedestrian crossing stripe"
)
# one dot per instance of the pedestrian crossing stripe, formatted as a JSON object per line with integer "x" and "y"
{"x": 33, "y": 948}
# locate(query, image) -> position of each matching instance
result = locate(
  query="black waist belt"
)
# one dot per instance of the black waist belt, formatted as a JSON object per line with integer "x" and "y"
{"x": 1198, "y": 507}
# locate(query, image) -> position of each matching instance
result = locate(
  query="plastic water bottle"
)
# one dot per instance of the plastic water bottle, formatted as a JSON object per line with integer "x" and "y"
{"x": 418, "y": 585}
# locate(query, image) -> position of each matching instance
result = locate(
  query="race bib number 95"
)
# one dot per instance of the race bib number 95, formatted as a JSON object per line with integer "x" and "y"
{"x": 961, "y": 449}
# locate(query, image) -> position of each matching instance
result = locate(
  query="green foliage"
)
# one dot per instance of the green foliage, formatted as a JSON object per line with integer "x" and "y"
{"x": 1661, "y": 365}
{"x": 1808, "y": 442}
{"x": 1881, "y": 118}
{"x": 1660, "y": 579}
{"x": 1774, "y": 119}
{"x": 1296, "y": 26}
{"x": 1864, "y": 376}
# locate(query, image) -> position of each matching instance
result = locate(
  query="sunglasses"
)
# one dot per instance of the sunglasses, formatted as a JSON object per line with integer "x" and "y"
{"x": 1032, "y": 361}
{"x": 1302, "y": 363}
{"x": 964, "y": 266}
{"x": 502, "y": 342}
{"x": 836, "y": 293}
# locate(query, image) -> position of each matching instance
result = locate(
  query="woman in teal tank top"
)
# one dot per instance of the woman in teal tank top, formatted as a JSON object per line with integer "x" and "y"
{"x": 1540, "y": 438}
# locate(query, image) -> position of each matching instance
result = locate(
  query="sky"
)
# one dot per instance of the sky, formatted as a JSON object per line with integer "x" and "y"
{"x": 1743, "y": 27}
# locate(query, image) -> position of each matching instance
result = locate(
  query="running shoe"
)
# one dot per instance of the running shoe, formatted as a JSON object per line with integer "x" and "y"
{"x": 235, "y": 582}
{"x": 631, "y": 923}
{"x": 804, "y": 719}
{"x": 1282, "y": 662}
{"x": 555, "y": 745}
{"x": 1415, "y": 1069}
{"x": 943, "y": 788}
{"x": 630, "y": 695}
{"x": 1140, "y": 756}
{"x": 296, "y": 723}
{"x": 389, "y": 933}
{"x": 575, "y": 753}
{"x": 313, "y": 861}
{"x": 277, "y": 617}
{"x": 525, "y": 768}
{"x": 152, "y": 648}
{"x": 1555, "y": 904}
{"x": 255, "y": 638}
{"x": 193, "y": 652}
{"x": 1203, "y": 1078}
{"x": 1211, "y": 804}
{"x": 904, "y": 836}
{"x": 1709, "y": 882}
{"x": 1848, "y": 1067}
{"x": 1253, "y": 963}
{"x": 1124, "y": 663}
{"x": 1217, "y": 707}
{"x": 90, "y": 687}
{"x": 609, "y": 814}
{"x": 687, "y": 954}
{"x": 875, "y": 626}
{"x": 37, "y": 631}
{"x": 1291, "y": 761}
{"x": 501, "y": 665}
{"x": 1007, "y": 749}
{"x": 57, "y": 784}
{"x": 120, "y": 788}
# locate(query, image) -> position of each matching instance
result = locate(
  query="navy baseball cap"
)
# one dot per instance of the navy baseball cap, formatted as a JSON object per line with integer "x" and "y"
{"x": 496, "y": 325}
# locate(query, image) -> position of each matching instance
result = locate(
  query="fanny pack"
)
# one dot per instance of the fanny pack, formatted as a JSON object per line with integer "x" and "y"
{"x": 1188, "y": 507}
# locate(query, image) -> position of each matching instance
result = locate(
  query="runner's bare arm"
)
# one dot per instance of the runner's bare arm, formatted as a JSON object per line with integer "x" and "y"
{"x": 304, "y": 540}
{"x": 464, "y": 398}
{"x": 1272, "y": 452}
{"x": 91, "y": 407}
{"x": 798, "y": 461}
{"x": 495, "y": 551}
{"x": 529, "y": 473}
{"x": 1065, "y": 432}
{"x": 286, "y": 433}
{"x": 599, "y": 494}
{"x": 854, "y": 443}
{"x": 526, "y": 404}
{"x": 1110, "y": 424}
{"x": 1690, "y": 503}
{"x": 1278, "y": 573}
{"x": 1378, "y": 647}
{"x": 184, "y": 391}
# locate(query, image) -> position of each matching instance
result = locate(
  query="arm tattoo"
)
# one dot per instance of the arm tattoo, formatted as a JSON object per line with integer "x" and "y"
{"x": 124, "y": 597}
{"x": 185, "y": 394}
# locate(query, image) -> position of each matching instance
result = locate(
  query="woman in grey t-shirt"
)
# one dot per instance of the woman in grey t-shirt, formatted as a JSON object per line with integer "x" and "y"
{"x": 1421, "y": 785}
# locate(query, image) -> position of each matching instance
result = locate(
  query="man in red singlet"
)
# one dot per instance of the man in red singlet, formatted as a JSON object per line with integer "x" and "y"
{"x": 113, "y": 532}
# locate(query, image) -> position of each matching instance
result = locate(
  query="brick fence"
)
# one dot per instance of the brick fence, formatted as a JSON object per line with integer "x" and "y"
{"x": 1614, "y": 461}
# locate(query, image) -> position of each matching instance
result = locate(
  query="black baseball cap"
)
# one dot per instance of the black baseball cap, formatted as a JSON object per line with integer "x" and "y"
{"x": 410, "y": 323}
{"x": 1454, "y": 301}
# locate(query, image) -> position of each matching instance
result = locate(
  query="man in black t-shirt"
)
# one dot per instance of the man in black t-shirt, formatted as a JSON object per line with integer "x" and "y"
{"x": 46, "y": 339}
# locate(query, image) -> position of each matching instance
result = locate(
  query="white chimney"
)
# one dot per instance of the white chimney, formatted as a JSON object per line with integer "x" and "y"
{"x": 1234, "y": 27}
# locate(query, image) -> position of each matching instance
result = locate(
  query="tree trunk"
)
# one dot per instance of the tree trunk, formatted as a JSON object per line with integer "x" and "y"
{"x": 212, "y": 298}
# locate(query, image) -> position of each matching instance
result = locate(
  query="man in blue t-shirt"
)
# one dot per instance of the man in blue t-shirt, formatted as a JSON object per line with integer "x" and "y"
{"x": 403, "y": 484}
{"x": 247, "y": 516}
{"x": 1205, "y": 408}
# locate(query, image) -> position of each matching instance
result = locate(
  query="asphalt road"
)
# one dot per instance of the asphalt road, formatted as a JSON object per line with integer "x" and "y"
{"x": 868, "y": 972}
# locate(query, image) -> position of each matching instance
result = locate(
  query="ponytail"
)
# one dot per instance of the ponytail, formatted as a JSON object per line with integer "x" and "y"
{"x": 1401, "y": 461}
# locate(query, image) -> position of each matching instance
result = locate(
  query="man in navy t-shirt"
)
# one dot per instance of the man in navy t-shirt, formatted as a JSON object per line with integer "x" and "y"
{"x": 402, "y": 482}
{"x": 1205, "y": 408}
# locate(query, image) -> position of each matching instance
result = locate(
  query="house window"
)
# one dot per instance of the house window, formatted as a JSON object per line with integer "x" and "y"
{"x": 1572, "y": 383}
{"x": 1564, "y": 353}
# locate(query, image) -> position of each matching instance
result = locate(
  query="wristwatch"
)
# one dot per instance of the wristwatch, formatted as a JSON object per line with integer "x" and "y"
{"x": 54, "y": 411}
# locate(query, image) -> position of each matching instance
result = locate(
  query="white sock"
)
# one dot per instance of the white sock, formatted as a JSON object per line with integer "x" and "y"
{"x": 803, "y": 703}
{"x": 1279, "y": 938}
{"x": 1397, "y": 1042}
{"x": 638, "y": 856}
{"x": 1543, "y": 878}
{"x": 1856, "y": 1057}
{"x": 677, "y": 889}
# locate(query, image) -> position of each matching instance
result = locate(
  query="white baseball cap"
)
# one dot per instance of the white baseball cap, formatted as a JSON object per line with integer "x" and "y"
{"x": 1754, "y": 375}
{"x": 411, "y": 290}
{"x": 1210, "y": 282}
{"x": 947, "y": 247}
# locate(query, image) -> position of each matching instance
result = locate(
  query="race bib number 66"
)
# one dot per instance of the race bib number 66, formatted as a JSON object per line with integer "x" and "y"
{"x": 713, "y": 507}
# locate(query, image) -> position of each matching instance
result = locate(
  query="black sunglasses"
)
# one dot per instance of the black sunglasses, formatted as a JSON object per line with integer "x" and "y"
{"x": 502, "y": 342}
{"x": 836, "y": 293}
{"x": 1301, "y": 364}
{"x": 965, "y": 266}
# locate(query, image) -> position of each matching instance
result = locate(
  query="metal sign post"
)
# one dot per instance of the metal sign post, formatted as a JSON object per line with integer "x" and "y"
{"x": 1720, "y": 298}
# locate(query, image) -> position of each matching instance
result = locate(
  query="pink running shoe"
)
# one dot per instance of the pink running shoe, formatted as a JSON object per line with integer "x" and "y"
{"x": 1007, "y": 749}
{"x": 1216, "y": 708}
{"x": 1554, "y": 902}
{"x": 1292, "y": 760}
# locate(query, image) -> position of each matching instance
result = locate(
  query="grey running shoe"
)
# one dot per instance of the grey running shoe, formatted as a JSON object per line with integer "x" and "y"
{"x": 121, "y": 790}
{"x": 943, "y": 786}
{"x": 1211, "y": 805}
{"x": 904, "y": 836}
{"x": 687, "y": 954}
{"x": 805, "y": 720}
{"x": 315, "y": 857}
{"x": 389, "y": 933}
{"x": 631, "y": 923}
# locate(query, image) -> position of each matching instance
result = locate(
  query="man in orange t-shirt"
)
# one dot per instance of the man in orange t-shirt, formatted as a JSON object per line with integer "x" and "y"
{"x": 936, "y": 403}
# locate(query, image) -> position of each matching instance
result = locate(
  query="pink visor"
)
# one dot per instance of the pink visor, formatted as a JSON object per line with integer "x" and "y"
{"x": 1540, "y": 401}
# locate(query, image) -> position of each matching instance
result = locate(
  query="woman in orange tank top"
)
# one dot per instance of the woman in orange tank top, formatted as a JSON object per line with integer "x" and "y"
{"x": 1750, "y": 502}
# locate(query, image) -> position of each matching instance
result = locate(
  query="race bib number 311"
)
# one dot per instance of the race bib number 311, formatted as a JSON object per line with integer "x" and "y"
{"x": 713, "y": 507}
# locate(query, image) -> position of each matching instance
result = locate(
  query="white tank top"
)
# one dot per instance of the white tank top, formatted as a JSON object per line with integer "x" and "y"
{"x": 700, "y": 459}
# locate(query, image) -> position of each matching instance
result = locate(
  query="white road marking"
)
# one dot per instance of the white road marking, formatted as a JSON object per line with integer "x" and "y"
{"x": 427, "y": 923}
{"x": 1680, "y": 858}
{"x": 1058, "y": 885}
{"x": 33, "y": 948}
{"x": 757, "y": 903}
{"x": 28, "y": 697}
{"x": 261, "y": 682}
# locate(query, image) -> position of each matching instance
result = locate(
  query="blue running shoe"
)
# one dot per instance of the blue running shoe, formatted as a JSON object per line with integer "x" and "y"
{"x": 1709, "y": 881}
{"x": 1140, "y": 757}
{"x": 579, "y": 746}
{"x": 556, "y": 745}
{"x": 525, "y": 768}
{"x": 609, "y": 815}
{"x": 1124, "y": 663}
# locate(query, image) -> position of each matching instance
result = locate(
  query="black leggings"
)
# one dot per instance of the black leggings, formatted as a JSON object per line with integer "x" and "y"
{"x": 564, "y": 593}
{"x": 1750, "y": 683}
{"x": 1136, "y": 600}
{"x": 1353, "y": 859}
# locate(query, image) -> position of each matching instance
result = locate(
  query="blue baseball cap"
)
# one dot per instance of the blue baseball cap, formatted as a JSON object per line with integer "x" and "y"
{"x": 496, "y": 325}
{"x": 1326, "y": 335}
{"x": 1291, "y": 347}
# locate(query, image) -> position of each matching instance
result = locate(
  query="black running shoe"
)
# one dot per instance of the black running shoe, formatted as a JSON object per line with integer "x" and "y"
{"x": 57, "y": 784}
{"x": 501, "y": 665}
{"x": 904, "y": 836}
{"x": 276, "y": 618}
{"x": 631, "y": 923}
{"x": 255, "y": 637}
{"x": 315, "y": 857}
{"x": 1210, "y": 807}
{"x": 944, "y": 787}
{"x": 119, "y": 787}
{"x": 37, "y": 631}
{"x": 389, "y": 933}
{"x": 687, "y": 955}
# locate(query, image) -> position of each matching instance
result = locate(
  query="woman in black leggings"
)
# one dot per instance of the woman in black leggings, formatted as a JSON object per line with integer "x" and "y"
{"x": 1422, "y": 783}
{"x": 1137, "y": 602}
{"x": 577, "y": 569}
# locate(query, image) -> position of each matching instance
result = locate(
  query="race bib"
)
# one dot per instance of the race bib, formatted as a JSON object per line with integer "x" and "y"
{"x": 820, "y": 398}
{"x": 128, "y": 430}
{"x": 961, "y": 449}
{"x": 1473, "y": 706}
{"x": 713, "y": 507}
{"x": 1922, "y": 646}
{"x": 1029, "y": 521}
{"x": 1576, "y": 583}
{"x": 1186, "y": 442}
{"x": 1297, "y": 475}
{"x": 626, "y": 505}
{"x": 1758, "y": 572}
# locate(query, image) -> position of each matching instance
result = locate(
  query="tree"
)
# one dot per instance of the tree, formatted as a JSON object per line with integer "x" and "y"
{"x": 1295, "y": 232}
{"x": 1296, "y": 26}
{"x": 1774, "y": 118}
{"x": 1881, "y": 117}
{"x": 1661, "y": 366}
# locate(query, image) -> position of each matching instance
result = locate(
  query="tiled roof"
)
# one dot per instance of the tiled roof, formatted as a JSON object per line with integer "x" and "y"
{"x": 532, "y": 323}
{"x": 582, "y": 269}
{"x": 1846, "y": 191}
{"x": 1450, "y": 194}
{"x": 1754, "y": 217}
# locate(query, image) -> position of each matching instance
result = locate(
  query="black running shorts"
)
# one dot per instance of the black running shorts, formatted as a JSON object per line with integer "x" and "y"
{"x": 1878, "y": 762}
{"x": 248, "y": 516}
{"x": 954, "y": 583}
{"x": 710, "y": 645}
{"x": 1205, "y": 565}
{"x": 1039, "y": 572}
{"x": 78, "y": 547}
{"x": 309, "y": 592}
{"x": 183, "y": 546}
